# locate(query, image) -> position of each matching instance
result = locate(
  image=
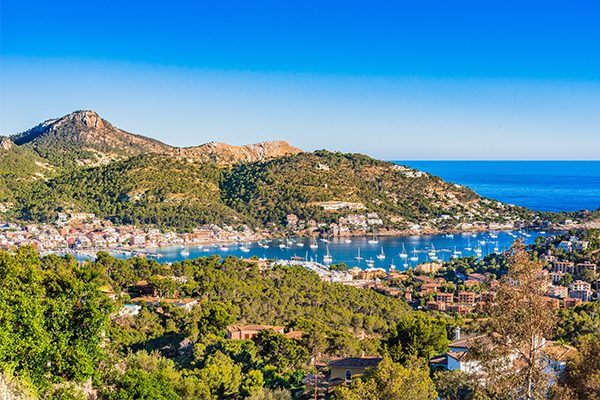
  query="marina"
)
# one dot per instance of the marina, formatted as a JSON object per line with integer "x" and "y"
{"x": 360, "y": 252}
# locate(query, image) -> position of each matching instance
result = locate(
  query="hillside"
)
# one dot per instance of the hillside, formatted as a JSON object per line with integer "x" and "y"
{"x": 144, "y": 190}
{"x": 170, "y": 192}
{"x": 401, "y": 196}
{"x": 81, "y": 162}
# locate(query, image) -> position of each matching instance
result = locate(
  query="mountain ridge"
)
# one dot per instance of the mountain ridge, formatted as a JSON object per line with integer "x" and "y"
{"x": 86, "y": 139}
{"x": 82, "y": 163}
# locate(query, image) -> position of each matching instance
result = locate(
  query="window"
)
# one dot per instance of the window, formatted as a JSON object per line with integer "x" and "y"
{"x": 348, "y": 375}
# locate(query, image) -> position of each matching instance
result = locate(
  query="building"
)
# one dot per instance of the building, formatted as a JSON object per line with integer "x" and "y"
{"x": 151, "y": 301}
{"x": 466, "y": 297}
{"x": 559, "y": 292}
{"x": 580, "y": 268}
{"x": 563, "y": 266}
{"x": 247, "y": 332}
{"x": 346, "y": 369}
{"x": 429, "y": 268}
{"x": 445, "y": 297}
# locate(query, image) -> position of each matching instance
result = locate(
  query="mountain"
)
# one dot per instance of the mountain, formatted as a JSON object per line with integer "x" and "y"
{"x": 81, "y": 162}
{"x": 83, "y": 138}
{"x": 223, "y": 153}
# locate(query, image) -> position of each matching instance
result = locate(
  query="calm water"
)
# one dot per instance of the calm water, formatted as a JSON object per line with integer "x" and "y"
{"x": 418, "y": 246}
{"x": 539, "y": 185}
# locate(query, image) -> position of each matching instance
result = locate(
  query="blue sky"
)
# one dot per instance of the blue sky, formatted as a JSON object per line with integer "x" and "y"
{"x": 397, "y": 80}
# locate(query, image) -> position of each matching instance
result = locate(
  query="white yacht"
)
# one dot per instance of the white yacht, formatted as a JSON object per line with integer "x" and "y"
{"x": 370, "y": 262}
{"x": 403, "y": 254}
{"x": 414, "y": 257}
{"x": 327, "y": 257}
{"x": 381, "y": 256}
{"x": 313, "y": 243}
{"x": 373, "y": 240}
{"x": 358, "y": 257}
{"x": 185, "y": 252}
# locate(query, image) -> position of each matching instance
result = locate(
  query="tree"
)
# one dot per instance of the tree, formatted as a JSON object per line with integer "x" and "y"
{"x": 391, "y": 380}
{"x": 581, "y": 378}
{"x": 417, "y": 334}
{"x": 520, "y": 321}
{"x": 278, "y": 350}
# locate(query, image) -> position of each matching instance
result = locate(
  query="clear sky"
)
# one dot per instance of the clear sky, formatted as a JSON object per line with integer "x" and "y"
{"x": 398, "y": 80}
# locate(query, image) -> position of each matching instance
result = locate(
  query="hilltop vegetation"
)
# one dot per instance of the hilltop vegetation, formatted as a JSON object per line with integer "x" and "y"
{"x": 82, "y": 163}
{"x": 151, "y": 190}
{"x": 271, "y": 190}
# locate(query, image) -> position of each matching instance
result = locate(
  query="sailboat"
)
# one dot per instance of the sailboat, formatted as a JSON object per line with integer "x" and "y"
{"x": 432, "y": 253}
{"x": 185, "y": 252}
{"x": 414, "y": 257}
{"x": 370, "y": 262}
{"x": 403, "y": 254}
{"x": 392, "y": 267}
{"x": 263, "y": 245}
{"x": 381, "y": 256}
{"x": 496, "y": 248}
{"x": 468, "y": 248}
{"x": 347, "y": 240}
{"x": 374, "y": 240}
{"x": 244, "y": 248}
{"x": 313, "y": 243}
{"x": 300, "y": 244}
{"x": 327, "y": 257}
{"x": 358, "y": 257}
{"x": 456, "y": 253}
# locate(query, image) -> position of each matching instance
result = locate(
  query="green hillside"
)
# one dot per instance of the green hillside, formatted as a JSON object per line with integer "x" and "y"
{"x": 155, "y": 190}
{"x": 268, "y": 191}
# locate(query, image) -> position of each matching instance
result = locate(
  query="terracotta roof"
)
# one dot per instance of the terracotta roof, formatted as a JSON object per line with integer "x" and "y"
{"x": 465, "y": 341}
{"x": 254, "y": 327}
{"x": 457, "y": 355}
{"x": 356, "y": 362}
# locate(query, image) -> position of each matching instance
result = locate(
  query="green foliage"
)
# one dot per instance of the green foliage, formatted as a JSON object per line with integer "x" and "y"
{"x": 51, "y": 317}
{"x": 417, "y": 335}
{"x": 144, "y": 190}
{"x": 581, "y": 320}
{"x": 391, "y": 380}
{"x": 581, "y": 378}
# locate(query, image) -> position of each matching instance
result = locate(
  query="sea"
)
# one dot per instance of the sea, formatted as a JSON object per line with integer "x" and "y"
{"x": 538, "y": 185}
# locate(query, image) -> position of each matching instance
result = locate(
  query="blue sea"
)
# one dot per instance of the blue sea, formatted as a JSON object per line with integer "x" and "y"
{"x": 538, "y": 185}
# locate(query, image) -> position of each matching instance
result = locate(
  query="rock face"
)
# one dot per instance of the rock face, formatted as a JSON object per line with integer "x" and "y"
{"x": 5, "y": 143}
{"x": 87, "y": 139}
{"x": 223, "y": 153}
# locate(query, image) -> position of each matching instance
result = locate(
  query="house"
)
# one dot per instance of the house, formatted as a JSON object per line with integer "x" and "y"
{"x": 346, "y": 369}
{"x": 580, "y": 290}
{"x": 247, "y": 332}
{"x": 429, "y": 268}
{"x": 580, "y": 268}
{"x": 488, "y": 297}
{"x": 456, "y": 356}
{"x": 151, "y": 301}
